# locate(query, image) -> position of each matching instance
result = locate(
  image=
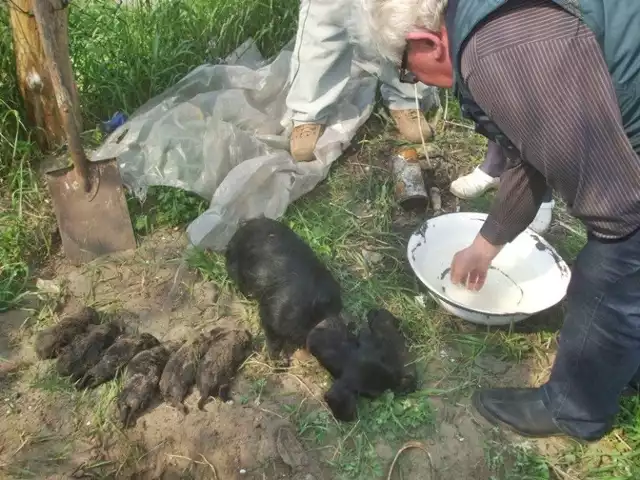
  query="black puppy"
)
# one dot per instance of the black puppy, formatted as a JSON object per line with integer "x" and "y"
{"x": 295, "y": 291}
{"x": 141, "y": 382}
{"x": 386, "y": 335}
{"x": 332, "y": 343}
{"x": 380, "y": 363}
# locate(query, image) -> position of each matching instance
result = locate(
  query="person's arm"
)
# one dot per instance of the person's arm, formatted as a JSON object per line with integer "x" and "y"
{"x": 522, "y": 187}
{"x": 521, "y": 192}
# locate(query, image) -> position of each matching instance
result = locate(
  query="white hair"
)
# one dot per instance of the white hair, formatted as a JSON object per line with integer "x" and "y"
{"x": 381, "y": 26}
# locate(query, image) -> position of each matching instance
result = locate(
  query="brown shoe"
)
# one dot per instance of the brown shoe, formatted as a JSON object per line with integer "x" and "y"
{"x": 303, "y": 141}
{"x": 407, "y": 124}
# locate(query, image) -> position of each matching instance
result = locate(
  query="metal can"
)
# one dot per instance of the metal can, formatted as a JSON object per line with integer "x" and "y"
{"x": 410, "y": 190}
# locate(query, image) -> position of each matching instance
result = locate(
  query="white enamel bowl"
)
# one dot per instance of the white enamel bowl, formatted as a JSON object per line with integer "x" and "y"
{"x": 527, "y": 277}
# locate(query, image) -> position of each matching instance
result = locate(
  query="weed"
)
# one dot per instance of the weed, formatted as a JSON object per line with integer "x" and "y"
{"x": 102, "y": 401}
{"x": 210, "y": 265}
{"x": 48, "y": 380}
{"x": 164, "y": 207}
{"x": 397, "y": 418}
{"x": 24, "y": 227}
{"x": 255, "y": 391}
{"x": 618, "y": 458}
{"x": 359, "y": 461}
{"x": 515, "y": 462}
{"x": 383, "y": 419}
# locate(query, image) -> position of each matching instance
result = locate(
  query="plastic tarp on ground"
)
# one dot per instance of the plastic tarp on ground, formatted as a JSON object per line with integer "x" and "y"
{"x": 222, "y": 132}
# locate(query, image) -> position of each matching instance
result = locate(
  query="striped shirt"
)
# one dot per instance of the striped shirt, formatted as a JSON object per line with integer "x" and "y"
{"x": 539, "y": 74}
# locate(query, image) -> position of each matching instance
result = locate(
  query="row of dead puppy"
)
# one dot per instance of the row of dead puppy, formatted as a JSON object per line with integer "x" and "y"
{"x": 92, "y": 353}
{"x": 300, "y": 306}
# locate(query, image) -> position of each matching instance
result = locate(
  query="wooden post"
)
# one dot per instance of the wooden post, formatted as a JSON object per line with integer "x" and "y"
{"x": 45, "y": 20}
{"x": 34, "y": 80}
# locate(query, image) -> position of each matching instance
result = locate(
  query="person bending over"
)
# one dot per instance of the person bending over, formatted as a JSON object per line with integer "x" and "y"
{"x": 557, "y": 85}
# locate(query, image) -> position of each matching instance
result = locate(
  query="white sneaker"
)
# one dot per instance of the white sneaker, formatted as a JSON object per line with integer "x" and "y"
{"x": 473, "y": 185}
{"x": 542, "y": 221}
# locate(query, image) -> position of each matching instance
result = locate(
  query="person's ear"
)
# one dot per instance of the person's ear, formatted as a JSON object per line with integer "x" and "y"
{"x": 434, "y": 40}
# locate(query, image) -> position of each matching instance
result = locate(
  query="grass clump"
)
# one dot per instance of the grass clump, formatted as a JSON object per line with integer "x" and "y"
{"x": 617, "y": 457}
{"x": 515, "y": 462}
{"x": 25, "y": 225}
{"x": 125, "y": 54}
{"x": 164, "y": 207}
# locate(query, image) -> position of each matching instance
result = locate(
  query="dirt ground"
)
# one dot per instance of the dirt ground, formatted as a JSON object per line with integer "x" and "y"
{"x": 236, "y": 441}
{"x": 49, "y": 430}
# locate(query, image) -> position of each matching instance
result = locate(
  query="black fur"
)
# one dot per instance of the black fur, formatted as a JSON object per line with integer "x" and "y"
{"x": 51, "y": 342}
{"x": 116, "y": 357}
{"x": 86, "y": 350}
{"x": 141, "y": 382}
{"x": 295, "y": 291}
{"x": 380, "y": 363}
{"x": 227, "y": 350}
{"x": 332, "y": 343}
{"x": 342, "y": 400}
{"x": 387, "y": 336}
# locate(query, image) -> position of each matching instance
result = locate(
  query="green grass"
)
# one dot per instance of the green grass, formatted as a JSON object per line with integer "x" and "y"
{"x": 164, "y": 207}
{"x": 515, "y": 462}
{"x": 123, "y": 56}
{"x": 19, "y": 189}
{"x": 385, "y": 419}
{"x": 24, "y": 222}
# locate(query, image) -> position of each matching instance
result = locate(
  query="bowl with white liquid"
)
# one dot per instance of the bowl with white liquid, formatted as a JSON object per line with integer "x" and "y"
{"x": 526, "y": 277}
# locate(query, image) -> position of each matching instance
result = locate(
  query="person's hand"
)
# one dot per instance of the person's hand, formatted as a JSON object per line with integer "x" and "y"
{"x": 469, "y": 267}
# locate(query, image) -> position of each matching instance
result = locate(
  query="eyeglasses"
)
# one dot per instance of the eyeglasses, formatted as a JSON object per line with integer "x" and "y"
{"x": 405, "y": 75}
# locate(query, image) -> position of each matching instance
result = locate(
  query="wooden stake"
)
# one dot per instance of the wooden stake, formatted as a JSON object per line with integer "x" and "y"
{"x": 44, "y": 12}
{"x": 34, "y": 80}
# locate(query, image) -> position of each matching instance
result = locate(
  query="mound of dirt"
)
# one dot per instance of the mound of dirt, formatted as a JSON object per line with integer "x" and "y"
{"x": 227, "y": 441}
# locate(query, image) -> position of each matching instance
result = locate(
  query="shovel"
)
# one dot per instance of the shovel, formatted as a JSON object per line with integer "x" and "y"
{"x": 88, "y": 198}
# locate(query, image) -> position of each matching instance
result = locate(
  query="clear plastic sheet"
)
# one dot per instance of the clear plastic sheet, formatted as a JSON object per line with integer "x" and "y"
{"x": 223, "y": 131}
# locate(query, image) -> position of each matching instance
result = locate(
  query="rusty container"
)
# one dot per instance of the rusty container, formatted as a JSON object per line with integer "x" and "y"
{"x": 410, "y": 190}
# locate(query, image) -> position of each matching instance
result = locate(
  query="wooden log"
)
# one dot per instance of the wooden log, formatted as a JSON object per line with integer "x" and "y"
{"x": 34, "y": 79}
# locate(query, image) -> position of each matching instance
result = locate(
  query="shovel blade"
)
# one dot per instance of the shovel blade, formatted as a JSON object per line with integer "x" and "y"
{"x": 94, "y": 223}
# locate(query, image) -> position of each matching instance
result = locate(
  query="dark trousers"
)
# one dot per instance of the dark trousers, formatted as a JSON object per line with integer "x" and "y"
{"x": 495, "y": 163}
{"x": 599, "y": 344}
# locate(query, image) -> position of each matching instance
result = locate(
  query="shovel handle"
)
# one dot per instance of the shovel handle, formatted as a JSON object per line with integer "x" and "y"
{"x": 44, "y": 16}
